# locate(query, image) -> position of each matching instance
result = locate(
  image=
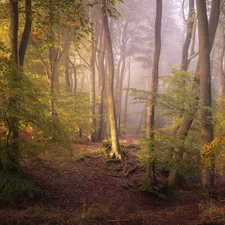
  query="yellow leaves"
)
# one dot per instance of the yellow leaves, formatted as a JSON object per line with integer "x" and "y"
{"x": 214, "y": 152}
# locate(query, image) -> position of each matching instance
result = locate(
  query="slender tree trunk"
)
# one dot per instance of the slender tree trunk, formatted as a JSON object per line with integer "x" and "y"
{"x": 120, "y": 92}
{"x": 101, "y": 78}
{"x": 153, "y": 90}
{"x": 106, "y": 131}
{"x": 92, "y": 91}
{"x": 189, "y": 29}
{"x": 120, "y": 76}
{"x": 67, "y": 70}
{"x": 127, "y": 95}
{"x": 205, "y": 86}
{"x": 143, "y": 116}
{"x": 222, "y": 73}
{"x": 110, "y": 97}
{"x": 74, "y": 87}
{"x": 26, "y": 32}
{"x": 173, "y": 174}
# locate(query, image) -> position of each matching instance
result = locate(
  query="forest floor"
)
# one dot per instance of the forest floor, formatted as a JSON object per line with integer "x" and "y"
{"x": 82, "y": 186}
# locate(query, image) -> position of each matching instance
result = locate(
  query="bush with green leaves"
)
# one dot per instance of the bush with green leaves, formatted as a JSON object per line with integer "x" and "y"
{"x": 16, "y": 189}
{"x": 175, "y": 101}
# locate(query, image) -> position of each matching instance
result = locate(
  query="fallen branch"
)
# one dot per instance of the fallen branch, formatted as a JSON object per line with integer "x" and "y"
{"x": 113, "y": 161}
{"x": 129, "y": 220}
{"x": 130, "y": 171}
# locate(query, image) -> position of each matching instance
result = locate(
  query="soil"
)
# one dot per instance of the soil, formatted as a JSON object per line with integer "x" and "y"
{"x": 82, "y": 186}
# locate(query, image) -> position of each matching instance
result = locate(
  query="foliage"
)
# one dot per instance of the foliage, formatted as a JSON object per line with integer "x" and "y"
{"x": 35, "y": 117}
{"x": 178, "y": 96}
{"x": 164, "y": 149}
{"x": 14, "y": 188}
{"x": 214, "y": 152}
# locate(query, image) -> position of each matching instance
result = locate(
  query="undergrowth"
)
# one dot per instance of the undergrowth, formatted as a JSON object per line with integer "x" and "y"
{"x": 14, "y": 189}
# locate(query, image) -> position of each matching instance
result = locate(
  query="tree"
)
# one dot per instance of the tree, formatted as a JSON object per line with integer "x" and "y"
{"x": 187, "y": 120}
{"x": 11, "y": 157}
{"x": 205, "y": 88}
{"x": 221, "y": 71}
{"x": 173, "y": 176}
{"x": 110, "y": 95}
{"x": 101, "y": 82}
{"x": 154, "y": 87}
{"x": 92, "y": 80}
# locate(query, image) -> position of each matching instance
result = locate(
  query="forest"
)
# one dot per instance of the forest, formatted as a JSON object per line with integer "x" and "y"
{"x": 112, "y": 112}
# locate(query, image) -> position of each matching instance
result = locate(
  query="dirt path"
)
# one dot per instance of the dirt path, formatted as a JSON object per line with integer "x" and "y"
{"x": 86, "y": 188}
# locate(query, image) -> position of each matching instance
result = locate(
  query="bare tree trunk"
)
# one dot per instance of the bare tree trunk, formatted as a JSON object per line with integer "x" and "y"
{"x": 110, "y": 97}
{"x": 106, "y": 131}
{"x": 189, "y": 29}
{"x": 67, "y": 70}
{"x": 74, "y": 88}
{"x": 101, "y": 73}
{"x": 153, "y": 90}
{"x": 120, "y": 92}
{"x": 143, "y": 116}
{"x": 205, "y": 87}
{"x": 222, "y": 73}
{"x": 26, "y": 32}
{"x": 127, "y": 95}
{"x": 173, "y": 174}
{"x": 120, "y": 76}
{"x": 92, "y": 91}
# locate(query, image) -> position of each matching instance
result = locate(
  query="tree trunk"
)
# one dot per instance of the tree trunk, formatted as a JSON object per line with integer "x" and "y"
{"x": 185, "y": 126}
{"x": 189, "y": 28}
{"x": 143, "y": 116}
{"x": 205, "y": 87}
{"x": 11, "y": 161}
{"x": 126, "y": 96}
{"x": 222, "y": 73}
{"x": 153, "y": 90}
{"x": 110, "y": 96}
{"x": 92, "y": 91}
{"x": 173, "y": 174}
{"x": 26, "y": 32}
{"x": 74, "y": 87}
{"x": 120, "y": 76}
{"x": 67, "y": 70}
{"x": 120, "y": 92}
{"x": 11, "y": 157}
{"x": 101, "y": 78}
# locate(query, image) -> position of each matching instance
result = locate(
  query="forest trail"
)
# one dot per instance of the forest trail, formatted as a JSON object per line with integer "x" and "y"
{"x": 82, "y": 186}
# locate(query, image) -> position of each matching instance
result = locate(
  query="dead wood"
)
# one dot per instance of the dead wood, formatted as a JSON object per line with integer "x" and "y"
{"x": 130, "y": 171}
{"x": 113, "y": 161}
